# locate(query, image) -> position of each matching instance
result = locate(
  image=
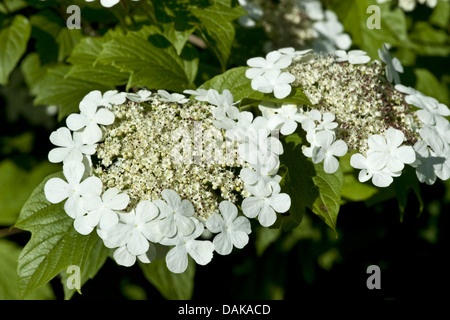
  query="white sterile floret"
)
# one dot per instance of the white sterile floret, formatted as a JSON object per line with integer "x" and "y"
{"x": 89, "y": 118}
{"x": 200, "y": 250}
{"x": 224, "y": 103}
{"x": 316, "y": 121}
{"x": 175, "y": 214}
{"x": 57, "y": 190}
{"x": 107, "y": 100}
{"x": 232, "y": 230}
{"x": 443, "y": 168}
{"x": 373, "y": 169}
{"x": 284, "y": 118}
{"x": 436, "y": 135}
{"x": 69, "y": 148}
{"x": 265, "y": 205}
{"x": 238, "y": 128}
{"x": 172, "y": 97}
{"x": 258, "y": 182}
{"x": 258, "y": 149}
{"x": 294, "y": 54}
{"x": 200, "y": 94}
{"x": 274, "y": 60}
{"x": 140, "y": 96}
{"x": 431, "y": 108}
{"x": 274, "y": 81}
{"x": 427, "y": 163}
{"x": 327, "y": 148}
{"x": 353, "y": 56}
{"x": 132, "y": 234}
{"x": 393, "y": 65}
{"x": 101, "y": 211}
{"x": 388, "y": 150}
{"x": 330, "y": 30}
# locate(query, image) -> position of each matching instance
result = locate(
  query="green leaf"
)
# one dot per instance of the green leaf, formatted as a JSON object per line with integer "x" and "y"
{"x": 67, "y": 39}
{"x": 83, "y": 59}
{"x": 296, "y": 173}
{"x": 172, "y": 286}
{"x": 327, "y": 204}
{"x": 9, "y": 6}
{"x": 309, "y": 186}
{"x": 13, "y": 43}
{"x": 149, "y": 61}
{"x": 240, "y": 86}
{"x": 441, "y": 14}
{"x": 354, "y": 190}
{"x": 393, "y": 27}
{"x": 216, "y": 26}
{"x": 57, "y": 88}
{"x": 16, "y": 185}
{"x": 9, "y": 280}
{"x": 403, "y": 185}
{"x": 428, "y": 84}
{"x": 54, "y": 243}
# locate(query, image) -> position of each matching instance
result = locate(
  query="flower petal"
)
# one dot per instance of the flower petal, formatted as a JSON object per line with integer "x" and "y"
{"x": 215, "y": 223}
{"x": 123, "y": 257}
{"x": 104, "y": 116}
{"x": 176, "y": 259}
{"x": 73, "y": 171}
{"x": 280, "y": 202}
{"x": 281, "y": 91}
{"x": 251, "y": 206}
{"x": 56, "y": 190}
{"x": 57, "y": 155}
{"x": 267, "y": 216}
{"x": 200, "y": 251}
{"x": 172, "y": 198}
{"x": 62, "y": 137}
{"x": 222, "y": 243}
{"x": 137, "y": 244}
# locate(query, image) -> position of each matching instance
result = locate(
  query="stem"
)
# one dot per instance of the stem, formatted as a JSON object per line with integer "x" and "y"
{"x": 6, "y": 7}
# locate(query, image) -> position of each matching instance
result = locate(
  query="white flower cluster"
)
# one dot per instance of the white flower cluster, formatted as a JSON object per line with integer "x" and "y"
{"x": 433, "y": 151}
{"x": 299, "y": 23}
{"x": 410, "y": 5}
{"x": 355, "y": 109}
{"x": 261, "y": 152}
{"x": 132, "y": 226}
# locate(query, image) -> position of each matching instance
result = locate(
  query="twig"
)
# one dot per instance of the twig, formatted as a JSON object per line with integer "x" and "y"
{"x": 9, "y": 231}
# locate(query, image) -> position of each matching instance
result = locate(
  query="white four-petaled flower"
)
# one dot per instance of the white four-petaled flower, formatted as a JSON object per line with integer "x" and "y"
{"x": 284, "y": 118}
{"x": 69, "y": 147}
{"x": 326, "y": 149}
{"x": 388, "y": 150}
{"x": 89, "y": 118}
{"x": 200, "y": 250}
{"x": 274, "y": 81}
{"x": 232, "y": 230}
{"x": 265, "y": 205}
{"x": 132, "y": 234}
{"x": 102, "y": 211}
{"x": 175, "y": 214}
{"x": 73, "y": 190}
